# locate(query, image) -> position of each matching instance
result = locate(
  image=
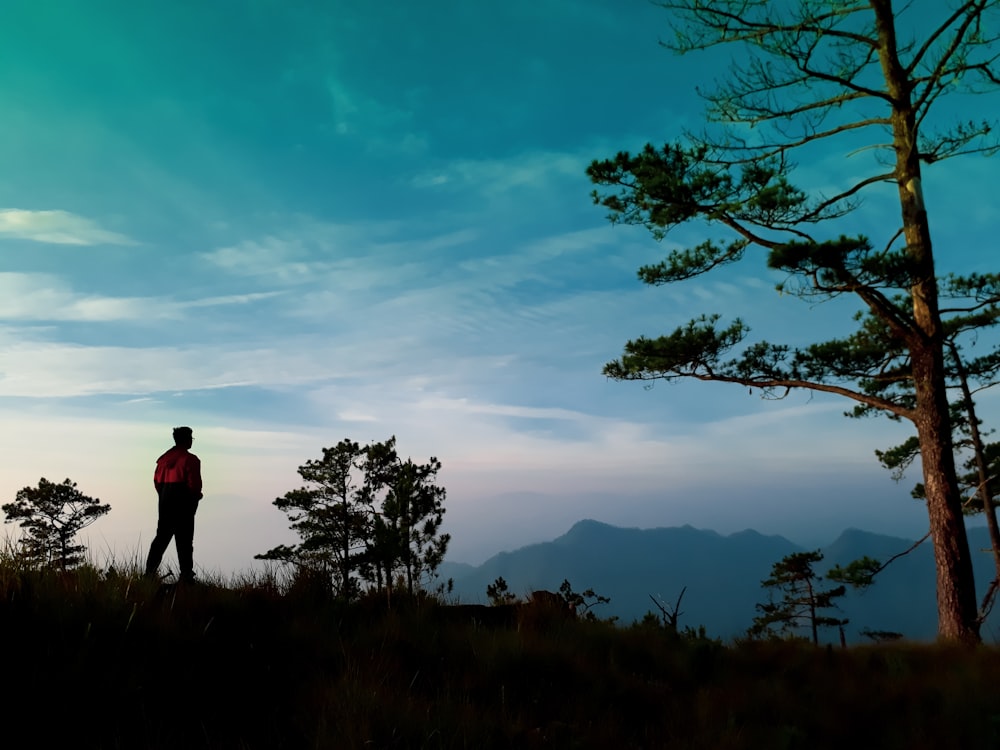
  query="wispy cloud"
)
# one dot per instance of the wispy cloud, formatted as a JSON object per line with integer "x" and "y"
{"x": 32, "y": 296}
{"x": 339, "y": 267}
{"x": 281, "y": 258}
{"x": 229, "y": 299}
{"x": 350, "y": 416}
{"x": 35, "y": 368}
{"x": 57, "y": 228}
{"x": 498, "y": 176}
{"x": 47, "y": 370}
{"x": 469, "y": 406}
{"x": 46, "y": 297}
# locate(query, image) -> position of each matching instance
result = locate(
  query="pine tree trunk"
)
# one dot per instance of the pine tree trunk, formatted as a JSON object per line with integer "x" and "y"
{"x": 956, "y": 593}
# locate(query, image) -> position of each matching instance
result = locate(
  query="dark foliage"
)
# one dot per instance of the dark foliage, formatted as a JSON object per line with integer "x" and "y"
{"x": 802, "y": 599}
{"x": 365, "y": 518}
{"x": 252, "y": 667}
{"x": 52, "y": 515}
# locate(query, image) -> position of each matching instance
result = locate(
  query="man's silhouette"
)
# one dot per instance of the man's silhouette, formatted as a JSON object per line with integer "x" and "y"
{"x": 178, "y": 484}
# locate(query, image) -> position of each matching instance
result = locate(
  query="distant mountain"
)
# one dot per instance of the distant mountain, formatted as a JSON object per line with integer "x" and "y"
{"x": 722, "y": 575}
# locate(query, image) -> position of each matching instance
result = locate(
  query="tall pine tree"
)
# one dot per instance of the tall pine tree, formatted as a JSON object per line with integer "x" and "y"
{"x": 818, "y": 73}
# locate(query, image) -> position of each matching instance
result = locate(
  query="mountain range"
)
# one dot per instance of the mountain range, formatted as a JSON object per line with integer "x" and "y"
{"x": 720, "y": 576}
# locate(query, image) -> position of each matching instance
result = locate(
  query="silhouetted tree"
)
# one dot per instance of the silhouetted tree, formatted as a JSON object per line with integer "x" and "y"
{"x": 329, "y": 517}
{"x": 364, "y": 517}
{"x": 670, "y": 615}
{"x": 801, "y": 598}
{"x": 581, "y": 603}
{"x": 52, "y": 515}
{"x": 499, "y": 593}
{"x": 813, "y": 72}
{"x": 407, "y": 511}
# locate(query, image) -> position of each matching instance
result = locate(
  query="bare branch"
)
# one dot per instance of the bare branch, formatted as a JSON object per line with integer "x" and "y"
{"x": 952, "y": 49}
{"x": 766, "y": 150}
{"x": 898, "y": 555}
{"x": 735, "y": 27}
{"x": 839, "y": 197}
{"x": 765, "y": 112}
{"x": 972, "y": 308}
{"x": 757, "y": 239}
{"x": 768, "y": 384}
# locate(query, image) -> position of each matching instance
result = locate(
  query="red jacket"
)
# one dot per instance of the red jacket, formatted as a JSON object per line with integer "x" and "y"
{"x": 178, "y": 466}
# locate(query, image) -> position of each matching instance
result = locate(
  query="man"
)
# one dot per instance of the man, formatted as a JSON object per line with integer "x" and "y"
{"x": 178, "y": 484}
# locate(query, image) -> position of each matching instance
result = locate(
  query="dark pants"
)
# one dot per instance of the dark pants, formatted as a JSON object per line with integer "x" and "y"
{"x": 176, "y": 519}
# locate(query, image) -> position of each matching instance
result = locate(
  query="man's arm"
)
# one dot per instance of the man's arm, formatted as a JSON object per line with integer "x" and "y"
{"x": 194, "y": 475}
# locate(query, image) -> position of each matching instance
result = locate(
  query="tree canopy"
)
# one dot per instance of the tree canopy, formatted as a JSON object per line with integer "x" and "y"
{"x": 52, "y": 515}
{"x": 802, "y": 599}
{"x": 365, "y": 518}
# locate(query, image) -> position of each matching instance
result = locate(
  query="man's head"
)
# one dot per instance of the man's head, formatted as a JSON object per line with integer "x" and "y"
{"x": 183, "y": 437}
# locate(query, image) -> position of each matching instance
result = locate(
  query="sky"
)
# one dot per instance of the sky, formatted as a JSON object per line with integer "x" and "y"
{"x": 286, "y": 223}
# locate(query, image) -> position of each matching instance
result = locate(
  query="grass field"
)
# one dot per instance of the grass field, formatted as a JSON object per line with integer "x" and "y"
{"x": 107, "y": 660}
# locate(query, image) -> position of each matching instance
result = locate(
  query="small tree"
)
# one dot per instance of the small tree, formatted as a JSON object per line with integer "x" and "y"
{"x": 52, "y": 515}
{"x": 407, "y": 511}
{"x": 801, "y": 600}
{"x": 582, "y": 602}
{"x": 327, "y": 516}
{"x": 365, "y": 517}
{"x": 499, "y": 593}
{"x": 669, "y": 615}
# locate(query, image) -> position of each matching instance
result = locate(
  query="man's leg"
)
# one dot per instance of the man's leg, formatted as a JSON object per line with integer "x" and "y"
{"x": 184, "y": 539}
{"x": 164, "y": 530}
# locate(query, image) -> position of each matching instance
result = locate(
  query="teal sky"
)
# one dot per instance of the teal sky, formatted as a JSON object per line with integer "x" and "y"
{"x": 286, "y": 223}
